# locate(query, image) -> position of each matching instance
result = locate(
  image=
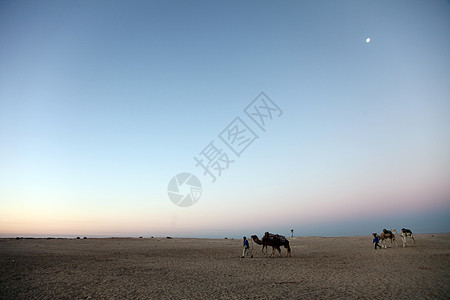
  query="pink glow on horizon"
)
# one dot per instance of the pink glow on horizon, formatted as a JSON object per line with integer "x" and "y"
{"x": 322, "y": 207}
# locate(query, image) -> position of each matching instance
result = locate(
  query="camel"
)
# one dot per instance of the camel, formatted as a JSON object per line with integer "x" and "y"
{"x": 275, "y": 241}
{"x": 385, "y": 235}
{"x": 404, "y": 234}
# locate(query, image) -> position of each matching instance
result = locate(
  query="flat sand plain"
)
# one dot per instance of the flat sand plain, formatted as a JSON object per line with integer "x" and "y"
{"x": 331, "y": 267}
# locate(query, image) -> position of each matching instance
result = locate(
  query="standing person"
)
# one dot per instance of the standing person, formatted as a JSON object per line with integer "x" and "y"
{"x": 376, "y": 239}
{"x": 246, "y": 248}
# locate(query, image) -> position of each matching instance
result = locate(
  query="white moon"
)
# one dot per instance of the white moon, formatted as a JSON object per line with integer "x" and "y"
{"x": 368, "y": 40}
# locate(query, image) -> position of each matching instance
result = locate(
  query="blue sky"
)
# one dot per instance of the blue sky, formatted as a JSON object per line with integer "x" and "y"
{"x": 102, "y": 103}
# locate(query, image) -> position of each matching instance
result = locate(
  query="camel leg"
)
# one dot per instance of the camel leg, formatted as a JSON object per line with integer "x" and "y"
{"x": 288, "y": 249}
{"x": 414, "y": 241}
{"x": 404, "y": 241}
{"x": 279, "y": 251}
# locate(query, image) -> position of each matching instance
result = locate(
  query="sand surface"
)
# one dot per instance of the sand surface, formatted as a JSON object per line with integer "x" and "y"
{"x": 343, "y": 267}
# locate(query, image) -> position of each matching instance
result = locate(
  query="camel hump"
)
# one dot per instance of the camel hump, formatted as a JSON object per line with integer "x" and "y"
{"x": 272, "y": 236}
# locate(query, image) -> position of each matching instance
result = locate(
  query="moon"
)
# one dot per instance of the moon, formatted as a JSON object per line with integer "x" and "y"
{"x": 368, "y": 40}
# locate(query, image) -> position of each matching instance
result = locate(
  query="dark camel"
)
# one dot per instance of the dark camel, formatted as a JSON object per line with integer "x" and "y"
{"x": 275, "y": 241}
{"x": 385, "y": 235}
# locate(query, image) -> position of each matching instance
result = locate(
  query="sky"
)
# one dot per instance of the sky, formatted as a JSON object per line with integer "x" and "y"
{"x": 103, "y": 103}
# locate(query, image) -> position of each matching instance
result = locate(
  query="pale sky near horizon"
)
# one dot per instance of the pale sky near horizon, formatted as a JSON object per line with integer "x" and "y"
{"x": 103, "y": 102}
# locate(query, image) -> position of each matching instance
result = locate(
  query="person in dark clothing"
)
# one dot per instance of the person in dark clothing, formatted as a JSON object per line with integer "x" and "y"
{"x": 376, "y": 239}
{"x": 246, "y": 248}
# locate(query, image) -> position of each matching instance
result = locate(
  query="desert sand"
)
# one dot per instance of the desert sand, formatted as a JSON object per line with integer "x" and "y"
{"x": 331, "y": 267}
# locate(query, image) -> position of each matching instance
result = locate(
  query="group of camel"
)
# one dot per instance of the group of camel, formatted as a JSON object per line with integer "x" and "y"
{"x": 390, "y": 235}
{"x": 276, "y": 241}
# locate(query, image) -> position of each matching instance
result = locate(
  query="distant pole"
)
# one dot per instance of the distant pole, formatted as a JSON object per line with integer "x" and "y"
{"x": 292, "y": 233}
